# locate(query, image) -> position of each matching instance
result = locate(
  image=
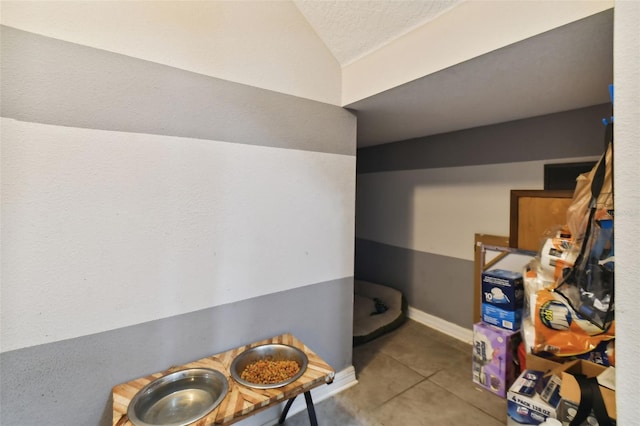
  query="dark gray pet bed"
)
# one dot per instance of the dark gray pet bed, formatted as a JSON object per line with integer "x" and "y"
{"x": 377, "y": 309}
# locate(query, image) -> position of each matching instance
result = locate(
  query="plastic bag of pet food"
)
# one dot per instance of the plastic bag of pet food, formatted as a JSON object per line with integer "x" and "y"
{"x": 557, "y": 253}
{"x": 589, "y": 285}
{"x": 560, "y": 331}
{"x": 578, "y": 211}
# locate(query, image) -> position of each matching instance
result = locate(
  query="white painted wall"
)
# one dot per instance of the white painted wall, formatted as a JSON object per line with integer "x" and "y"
{"x": 263, "y": 44}
{"x": 156, "y": 226}
{"x": 439, "y": 210}
{"x": 115, "y": 205}
{"x": 468, "y": 30}
{"x": 627, "y": 176}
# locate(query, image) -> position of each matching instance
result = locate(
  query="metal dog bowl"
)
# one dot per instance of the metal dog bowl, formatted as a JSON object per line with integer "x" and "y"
{"x": 179, "y": 398}
{"x": 274, "y": 352}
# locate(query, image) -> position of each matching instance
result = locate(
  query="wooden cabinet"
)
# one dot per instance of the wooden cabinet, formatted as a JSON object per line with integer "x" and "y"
{"x": 533, "y": 213}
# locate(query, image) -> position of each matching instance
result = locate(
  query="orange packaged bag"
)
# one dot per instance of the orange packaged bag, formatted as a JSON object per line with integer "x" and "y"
{"x": 559, "y": 330}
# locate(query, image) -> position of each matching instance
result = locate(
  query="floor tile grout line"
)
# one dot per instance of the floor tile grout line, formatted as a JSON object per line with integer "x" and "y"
{"x": 443, "y": 389}
{"x": 411, "y": 356}
{"x": 449, "y": 346}
{"x": 465, "y": 400}
{"x": 400, "y": 393}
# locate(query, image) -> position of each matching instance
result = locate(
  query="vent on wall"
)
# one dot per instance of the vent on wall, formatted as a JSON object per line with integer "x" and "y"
{"x": 563, "y": 175}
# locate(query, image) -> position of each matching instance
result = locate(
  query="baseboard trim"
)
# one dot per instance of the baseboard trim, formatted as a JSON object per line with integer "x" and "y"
{"x": 454, "y": 330}
{"x": 343, "y": 380}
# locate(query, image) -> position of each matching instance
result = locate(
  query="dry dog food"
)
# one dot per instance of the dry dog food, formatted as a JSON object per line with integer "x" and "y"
{"x": 267, "y": 371}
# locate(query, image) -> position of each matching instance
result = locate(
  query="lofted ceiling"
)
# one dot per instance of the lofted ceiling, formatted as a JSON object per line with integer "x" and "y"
{"x": 352, "y": 29}
{"x": 566, "y": 68}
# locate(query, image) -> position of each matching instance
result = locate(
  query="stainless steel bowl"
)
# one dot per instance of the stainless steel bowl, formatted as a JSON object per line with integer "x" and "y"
{"x": 179, "y": 398}
{"x": 273, "y": 351}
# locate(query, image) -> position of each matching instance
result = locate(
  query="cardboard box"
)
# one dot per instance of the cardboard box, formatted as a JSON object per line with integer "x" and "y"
{"x": 535, "y": 395}
{"x": 509, "y": 320}
{"x": 503, "y": 289}
{"x": 550, "y": 389}
{"x": 570, "y": 389}
{"x": 494, "y": 357}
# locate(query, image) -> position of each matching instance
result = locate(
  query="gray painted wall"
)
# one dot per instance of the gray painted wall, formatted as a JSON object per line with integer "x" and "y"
{"x": 45, "y": 80}
{"x": 69, "y": 382}
{"x": 565, "y": 134}
{"x": 434, "y": 283}
{"x": 61, "y": 85}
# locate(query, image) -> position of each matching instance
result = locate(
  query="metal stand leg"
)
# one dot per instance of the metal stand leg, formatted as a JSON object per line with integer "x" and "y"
{"x": 310, "y": 409}
{"x": 286, "y": 410}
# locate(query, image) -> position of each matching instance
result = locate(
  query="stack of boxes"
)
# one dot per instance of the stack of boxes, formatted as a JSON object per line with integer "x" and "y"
{"x": 545, "y": 388}
{"x": 496, "y": 338}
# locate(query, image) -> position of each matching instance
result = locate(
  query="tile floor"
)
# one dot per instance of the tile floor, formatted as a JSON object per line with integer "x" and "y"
{"x": 412, "y": 376}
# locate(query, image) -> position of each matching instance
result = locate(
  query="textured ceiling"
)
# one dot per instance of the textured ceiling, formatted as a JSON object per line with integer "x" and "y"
{"x": 566, "y": 68}
{"x": 352, "y": 29}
